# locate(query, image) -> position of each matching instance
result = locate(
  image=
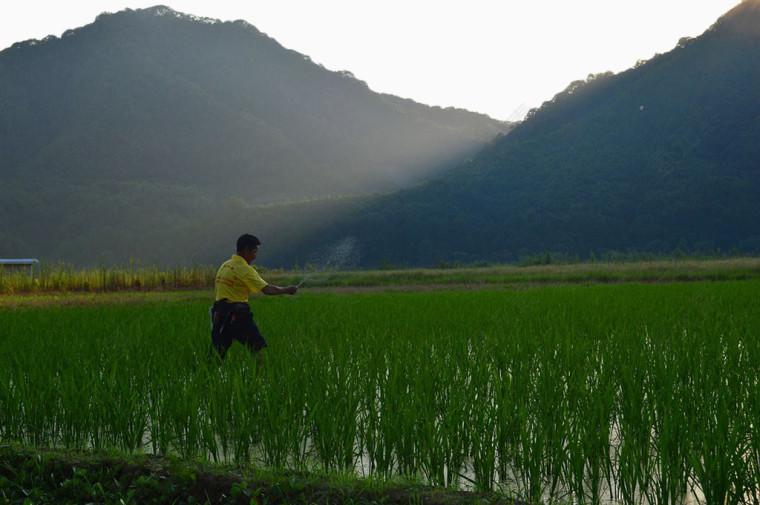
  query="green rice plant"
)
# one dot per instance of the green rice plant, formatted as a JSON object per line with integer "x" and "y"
{"x": 484, "y": 425}
{"x": 297, "y": 437}
{"x": 159, "y": 426}
{"x": 108, "y": 419}
{"x": 446, "y": 427}
{"x": 633, "y": 424}
{"x": 558, "y": 364}
{"x": 398, "y": 414}
{"x": 440, "y": 431}
{"x": 280, "y": 417}
{"x": 216, "y": 433}
{"x": 76, "y": 424}
{"x": 511, "y": 386}
{"x": 38, "y": 388}
{"x": 246, "y": 407}
{"x": 8, "y": 408}
{"x": 751, "y": 474}
{"x": 718, "y": 455}
{"x": 591, "y": 407}
{"x": 332, "y": 410}
{"x": 371, "y": 440}
{"x": 673, "y": 421}
{"x": 185, "y": 417}
{"x": 528, "y": 460}
{"x": 456, "y": 431}
{"x": 507, "y": 422}
{"x": 750, "y": 406}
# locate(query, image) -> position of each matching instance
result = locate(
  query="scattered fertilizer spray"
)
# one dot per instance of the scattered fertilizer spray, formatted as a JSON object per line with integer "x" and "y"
{"x": 330, "y": 259}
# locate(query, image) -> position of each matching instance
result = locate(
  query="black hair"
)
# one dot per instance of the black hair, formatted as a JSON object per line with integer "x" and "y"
{"x": 247, "y": 241}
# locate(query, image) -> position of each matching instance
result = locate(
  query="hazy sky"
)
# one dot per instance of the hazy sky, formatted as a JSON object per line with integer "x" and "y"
{"x": 499, "y": 57}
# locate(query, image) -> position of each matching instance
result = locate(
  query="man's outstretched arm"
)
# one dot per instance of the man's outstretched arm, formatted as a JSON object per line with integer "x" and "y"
{"x": 271, "y": 289}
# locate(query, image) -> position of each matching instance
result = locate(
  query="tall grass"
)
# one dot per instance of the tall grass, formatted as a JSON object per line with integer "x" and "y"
{"x": 63, "y": 277}
{"x": 591, "y": 394}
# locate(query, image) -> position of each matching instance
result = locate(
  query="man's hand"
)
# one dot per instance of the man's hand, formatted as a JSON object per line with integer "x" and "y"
{"x": 271, "y": 289}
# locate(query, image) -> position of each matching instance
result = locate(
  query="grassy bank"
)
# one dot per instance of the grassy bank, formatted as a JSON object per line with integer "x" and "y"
{"x": 29, "y": 476}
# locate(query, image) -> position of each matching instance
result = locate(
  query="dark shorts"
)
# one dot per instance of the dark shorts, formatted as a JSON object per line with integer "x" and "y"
{"x": 234, "y": 322}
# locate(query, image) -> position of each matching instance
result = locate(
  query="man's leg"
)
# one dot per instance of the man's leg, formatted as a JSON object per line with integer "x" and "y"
{"x": 221, "y": 336}
{"x": 247, "y": 332}
{"x": 219, "y": 351}
{"x": 220, "y": 343}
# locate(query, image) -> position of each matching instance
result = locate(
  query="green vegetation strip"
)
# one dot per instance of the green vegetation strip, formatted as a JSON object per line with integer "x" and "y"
{"x": 584, "y": 393}
{"x": 508, "y": 275}
{"x": 67, "y": 279}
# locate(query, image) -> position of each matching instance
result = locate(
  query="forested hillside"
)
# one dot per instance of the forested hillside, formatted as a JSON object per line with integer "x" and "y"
{"x": 663, "y": 157}
{"x": 120, "y": 137}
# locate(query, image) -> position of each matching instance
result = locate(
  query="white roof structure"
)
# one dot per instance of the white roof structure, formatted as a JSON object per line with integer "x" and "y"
{"x": 14, "y": 261}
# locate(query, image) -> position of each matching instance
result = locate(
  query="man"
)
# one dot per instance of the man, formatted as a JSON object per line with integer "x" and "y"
{"x": 231, "y": 315}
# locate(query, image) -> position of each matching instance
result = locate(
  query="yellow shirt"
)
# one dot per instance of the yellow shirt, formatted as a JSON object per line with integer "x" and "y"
{"x": 236, "y": 279}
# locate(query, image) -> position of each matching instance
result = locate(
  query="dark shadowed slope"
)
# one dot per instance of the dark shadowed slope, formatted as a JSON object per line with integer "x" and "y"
{"x": 664, "y": 156}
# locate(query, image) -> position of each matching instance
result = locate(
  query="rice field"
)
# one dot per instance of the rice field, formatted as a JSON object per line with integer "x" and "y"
{"x": 625, "y": 393}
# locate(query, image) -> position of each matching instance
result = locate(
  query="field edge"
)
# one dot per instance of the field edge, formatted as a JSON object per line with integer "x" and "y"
{"x": 55, "y": 475}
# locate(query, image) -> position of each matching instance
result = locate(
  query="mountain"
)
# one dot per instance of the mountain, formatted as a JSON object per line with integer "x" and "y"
{"x": 660, "y": 158}
{"x": 117, "y": 138}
